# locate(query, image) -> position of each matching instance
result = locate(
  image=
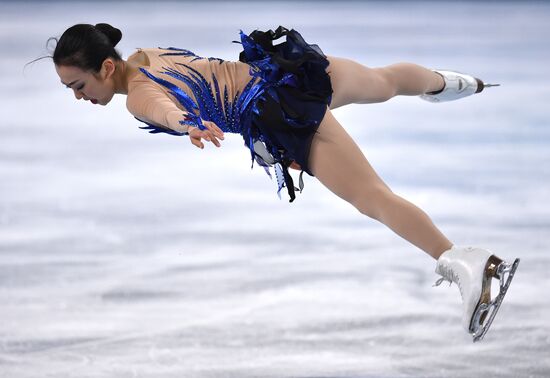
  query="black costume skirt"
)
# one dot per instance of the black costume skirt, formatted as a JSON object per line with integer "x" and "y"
{"x": 294, "y": 96}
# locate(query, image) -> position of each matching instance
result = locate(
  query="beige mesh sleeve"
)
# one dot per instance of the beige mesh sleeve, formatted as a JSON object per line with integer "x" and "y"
{"x": 151, "y": 104}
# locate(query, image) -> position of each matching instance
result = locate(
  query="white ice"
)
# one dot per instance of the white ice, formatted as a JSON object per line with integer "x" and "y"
{"x": 125, "y": 254}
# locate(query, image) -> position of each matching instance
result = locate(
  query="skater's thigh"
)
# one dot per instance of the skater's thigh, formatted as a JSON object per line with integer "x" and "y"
{"x": 353, "y": 82}
{"x": 338, "y": 163}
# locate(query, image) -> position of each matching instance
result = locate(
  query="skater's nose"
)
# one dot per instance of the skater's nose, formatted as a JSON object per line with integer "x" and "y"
{"x": 77, "y": 94}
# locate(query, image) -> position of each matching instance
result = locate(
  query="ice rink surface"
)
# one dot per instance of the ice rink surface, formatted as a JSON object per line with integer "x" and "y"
{"x": 125, "y": 254}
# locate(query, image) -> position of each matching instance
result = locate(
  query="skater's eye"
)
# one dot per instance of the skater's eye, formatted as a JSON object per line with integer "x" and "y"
{"x": 79, "y": 88}
{"x": 70, "y": 84}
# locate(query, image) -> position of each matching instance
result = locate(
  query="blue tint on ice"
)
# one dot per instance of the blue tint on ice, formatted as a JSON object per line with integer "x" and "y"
{"x": 129, "y": 255}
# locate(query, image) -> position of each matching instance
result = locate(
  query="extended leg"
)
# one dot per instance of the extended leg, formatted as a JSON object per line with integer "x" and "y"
{"x": 353, "y": 82}
{"x": 338, "y": 163}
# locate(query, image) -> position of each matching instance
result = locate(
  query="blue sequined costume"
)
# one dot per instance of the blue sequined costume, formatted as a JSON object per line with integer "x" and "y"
{"x": 278, "y": 110}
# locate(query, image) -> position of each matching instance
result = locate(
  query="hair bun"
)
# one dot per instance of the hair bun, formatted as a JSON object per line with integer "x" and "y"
{"x": 114, "y": 34}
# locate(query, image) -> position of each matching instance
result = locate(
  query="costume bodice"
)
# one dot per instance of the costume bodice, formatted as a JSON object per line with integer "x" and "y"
{"x": 178, "y": 80}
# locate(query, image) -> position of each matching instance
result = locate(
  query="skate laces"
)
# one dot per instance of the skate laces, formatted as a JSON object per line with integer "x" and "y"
{"x": 447, "y": 274}
{"x": 439, "y": 281}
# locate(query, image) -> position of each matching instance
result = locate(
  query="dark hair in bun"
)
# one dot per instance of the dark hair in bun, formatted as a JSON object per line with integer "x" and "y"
{"x": 86, "y": 46}
{"x": 112, "y": 33}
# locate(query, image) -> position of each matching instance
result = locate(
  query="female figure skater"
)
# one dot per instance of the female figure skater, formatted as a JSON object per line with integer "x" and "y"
{"x": 279, "y": 98}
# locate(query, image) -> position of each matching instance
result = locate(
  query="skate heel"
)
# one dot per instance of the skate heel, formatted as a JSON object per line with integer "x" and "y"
{"x": 483, "y": 307}
{"x": 500, "y": 269}
{"x": 487, "y": 308}
{"x": 491, "y": 269}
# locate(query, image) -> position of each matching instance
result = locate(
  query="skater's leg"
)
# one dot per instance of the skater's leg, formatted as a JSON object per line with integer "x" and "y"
{"x": 338, "y": 163}
{"x": 353, "y": 82}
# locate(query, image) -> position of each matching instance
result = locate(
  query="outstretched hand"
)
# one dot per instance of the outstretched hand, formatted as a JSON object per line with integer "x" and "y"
{"x": 211, "y": 134}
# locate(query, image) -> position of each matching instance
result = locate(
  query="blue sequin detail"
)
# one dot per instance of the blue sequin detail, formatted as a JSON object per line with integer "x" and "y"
{"x": 208, "y": 104}
{"x": 185, "y": 52}
{"x": 153, "y": 129}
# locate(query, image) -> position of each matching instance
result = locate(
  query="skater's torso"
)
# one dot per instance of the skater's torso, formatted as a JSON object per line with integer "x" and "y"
{"x": 194, "y": 75}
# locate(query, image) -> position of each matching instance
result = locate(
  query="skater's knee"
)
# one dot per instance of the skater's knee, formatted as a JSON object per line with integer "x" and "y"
{"x": 372, "y": 201}
{"x": 383, "y": 85}
{"x": 355, "y": 83}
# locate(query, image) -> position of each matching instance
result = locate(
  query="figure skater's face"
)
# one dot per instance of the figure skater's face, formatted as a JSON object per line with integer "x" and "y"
{"x": 98, "y": 88}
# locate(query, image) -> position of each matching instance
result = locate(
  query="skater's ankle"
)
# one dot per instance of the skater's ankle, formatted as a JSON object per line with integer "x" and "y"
{"x": 437, "y": 85}
{"x": 442, "y": 249}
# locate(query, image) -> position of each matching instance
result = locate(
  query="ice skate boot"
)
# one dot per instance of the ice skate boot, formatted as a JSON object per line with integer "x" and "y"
{"x": 457, "y": 85}
{"x": 473, "y": 269}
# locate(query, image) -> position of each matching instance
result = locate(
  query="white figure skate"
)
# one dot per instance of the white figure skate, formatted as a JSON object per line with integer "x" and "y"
{"x": 473, "y": 269}
{"x": 457, "y": 85}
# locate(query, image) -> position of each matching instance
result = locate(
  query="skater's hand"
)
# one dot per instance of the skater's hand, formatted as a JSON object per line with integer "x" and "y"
{"x": 212, "y": 134}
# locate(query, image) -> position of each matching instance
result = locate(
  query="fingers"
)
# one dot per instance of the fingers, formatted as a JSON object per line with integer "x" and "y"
{"x": 211, "y": 134}
{"x": 197, "y": 142}
{"x": 206, "y": 135}
{"x": 214, "y": 129}
{"x": 212, "y": 138}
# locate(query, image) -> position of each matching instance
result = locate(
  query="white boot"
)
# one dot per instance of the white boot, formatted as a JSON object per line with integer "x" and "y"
{"x": 457, "y": 85}
{"x": 472, "y": 269}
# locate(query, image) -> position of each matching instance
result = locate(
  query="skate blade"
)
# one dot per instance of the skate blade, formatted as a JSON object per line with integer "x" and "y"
{"x": 486, "y": 312}
{"x": 481, "y": 85}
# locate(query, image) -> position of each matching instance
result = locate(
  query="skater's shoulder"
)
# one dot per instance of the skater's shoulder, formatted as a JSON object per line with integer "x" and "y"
{"x": 140, "y": 57}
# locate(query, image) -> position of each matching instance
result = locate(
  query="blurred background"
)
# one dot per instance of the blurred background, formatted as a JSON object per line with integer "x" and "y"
{"x": 126, "y": 254}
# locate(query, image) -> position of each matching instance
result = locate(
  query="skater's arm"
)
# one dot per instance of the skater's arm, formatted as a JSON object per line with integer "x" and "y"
{"x": 149, "y": 103}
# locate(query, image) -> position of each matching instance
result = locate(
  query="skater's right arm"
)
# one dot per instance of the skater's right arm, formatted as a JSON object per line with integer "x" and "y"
{"x": 149, "y": 103}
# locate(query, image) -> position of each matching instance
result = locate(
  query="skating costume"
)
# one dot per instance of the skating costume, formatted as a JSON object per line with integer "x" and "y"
{"x": 275, "y": 96}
